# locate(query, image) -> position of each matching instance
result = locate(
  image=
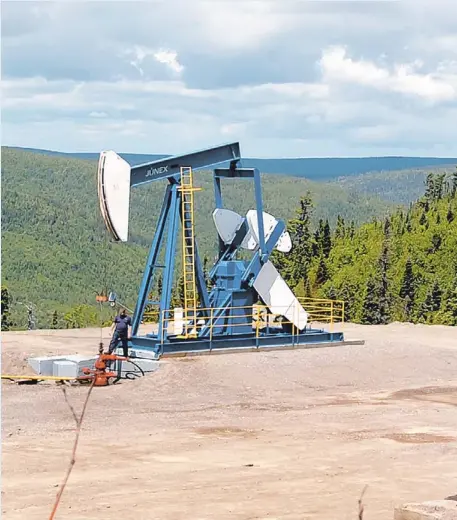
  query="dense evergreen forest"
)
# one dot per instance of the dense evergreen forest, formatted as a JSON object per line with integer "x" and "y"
{"x": 56, "y": 255}
{"x": 400, "y": 268}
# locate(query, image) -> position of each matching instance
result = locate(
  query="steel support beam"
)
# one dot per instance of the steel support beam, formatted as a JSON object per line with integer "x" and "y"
{"x": 153, "y": 257}
{"x": 237, "y": 173}
{"x": 170, "y": 166}
{"x": 170, "y": 255}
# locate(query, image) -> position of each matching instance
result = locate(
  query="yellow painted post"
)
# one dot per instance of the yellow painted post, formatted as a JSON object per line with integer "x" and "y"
{"x": 343, "y": 303}
{"x": 331, "y": 315}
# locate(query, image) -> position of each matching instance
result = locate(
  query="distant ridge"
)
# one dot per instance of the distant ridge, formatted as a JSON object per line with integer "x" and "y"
{"x": 320, "y": 169}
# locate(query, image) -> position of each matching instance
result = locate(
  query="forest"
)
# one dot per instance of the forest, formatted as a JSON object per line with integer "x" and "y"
{"x": 347, "y": 233}
{"x": 399, "y": 268}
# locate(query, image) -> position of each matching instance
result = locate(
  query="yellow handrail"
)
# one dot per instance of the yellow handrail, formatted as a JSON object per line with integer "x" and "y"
{"x": 319, "y": 310}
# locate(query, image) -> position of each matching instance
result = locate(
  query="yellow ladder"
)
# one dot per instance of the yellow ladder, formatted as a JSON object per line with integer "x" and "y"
{"x": 188, "y": 249}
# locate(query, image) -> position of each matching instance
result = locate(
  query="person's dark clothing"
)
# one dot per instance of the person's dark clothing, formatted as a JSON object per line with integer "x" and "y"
{"x": 115, "y": 340}
{"x": 122, "y": 323}
{"x": 121, "y": 334}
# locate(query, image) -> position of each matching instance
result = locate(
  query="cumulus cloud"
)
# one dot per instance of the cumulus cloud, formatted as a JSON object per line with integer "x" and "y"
{"x": 286, "y": 78}
{"x": 137, "y": 55}
{"x": 170, "y": 59}
{"x": 337, "y": 66}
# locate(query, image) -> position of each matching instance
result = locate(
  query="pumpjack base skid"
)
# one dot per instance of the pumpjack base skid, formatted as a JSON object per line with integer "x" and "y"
{"x": 176, "y": 346}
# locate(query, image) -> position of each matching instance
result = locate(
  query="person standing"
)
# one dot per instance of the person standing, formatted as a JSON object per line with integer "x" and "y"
{"x": 120, "y": 330}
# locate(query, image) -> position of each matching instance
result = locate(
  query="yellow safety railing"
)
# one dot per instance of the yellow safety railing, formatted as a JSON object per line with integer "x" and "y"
{"x": 320, "y": 311}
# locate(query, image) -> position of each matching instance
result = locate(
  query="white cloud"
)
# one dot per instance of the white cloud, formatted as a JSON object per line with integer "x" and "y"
{"x": 286, "y": 78}
{"x": 146, "y": 116}
{"x": 137, "y": 55}
{"x": 98, "y": 114}
{"x": 234, "y": 129}
{"x": 337, "y": 67}
{"x": 170, "y": 59}
{"x": 230, "y": 25}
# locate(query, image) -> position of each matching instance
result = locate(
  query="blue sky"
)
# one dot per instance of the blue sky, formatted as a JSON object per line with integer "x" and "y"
{"x": 286, "y": 78}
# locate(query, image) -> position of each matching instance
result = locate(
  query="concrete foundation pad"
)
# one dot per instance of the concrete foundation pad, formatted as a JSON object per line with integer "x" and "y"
{"x": 43, "y": 365}
{"x": 74, "y": 364}
{"x": 265, "y": 348}
{"x": 64, "y": 369}
{"x": 143, "y": 354}
{"x": 147, "y": 365}
{"x": 433, "y": 510}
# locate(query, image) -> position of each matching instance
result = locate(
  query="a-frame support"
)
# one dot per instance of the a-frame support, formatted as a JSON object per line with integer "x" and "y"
{"x": 168, "y": 223}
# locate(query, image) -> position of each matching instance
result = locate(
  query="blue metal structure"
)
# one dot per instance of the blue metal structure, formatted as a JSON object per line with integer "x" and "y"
{"x": 225, "y": 314}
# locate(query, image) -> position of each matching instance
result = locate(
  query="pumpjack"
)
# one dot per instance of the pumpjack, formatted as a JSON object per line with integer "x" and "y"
{"x": 226, "y": 316}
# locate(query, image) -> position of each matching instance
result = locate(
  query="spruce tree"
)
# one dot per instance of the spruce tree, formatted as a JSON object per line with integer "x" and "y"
{"x": 408, "y": 306}
{"x": 450, "y": 305}
{"x": 318, "y": 239}
{"x": 425, "y": 309}
{"x": 450, "y": 215}
{"x": 308, "y": 290}
{"x": 436, "y": 294}
{"x": 377, "y": 303}
{"x": 387, "y": 226}
{"x": 299, "y": 258}
{"x": 348, "y": 293}
{"x": 55, "y": 320}
{"x": 340, "y": 230}
{"x": 454, "y": 184}
{"x": 407, "y": 289}
{"x": 5, "y": 308}
{"x": 439, "y": 186}
{"x": 429, "y": 187}
{"x": 408, "y": 226}
{"x": 326, "y": 240}
{"x": 436, "y": 243}
{"x": 431, "y": 304}
{"x": 322, "y": 274}
{"x": 370, "y": 312}
{"x": 383, "y": 290}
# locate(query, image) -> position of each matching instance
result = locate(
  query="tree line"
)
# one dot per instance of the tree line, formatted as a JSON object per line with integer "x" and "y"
{"x": 401, "y": 268}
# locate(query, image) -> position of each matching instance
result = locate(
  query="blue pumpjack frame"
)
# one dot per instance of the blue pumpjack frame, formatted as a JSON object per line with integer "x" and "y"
{"x": 164, "y": 343}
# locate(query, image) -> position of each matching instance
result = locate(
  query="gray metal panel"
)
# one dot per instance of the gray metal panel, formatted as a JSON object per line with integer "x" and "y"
{"x": 170, "y": 166}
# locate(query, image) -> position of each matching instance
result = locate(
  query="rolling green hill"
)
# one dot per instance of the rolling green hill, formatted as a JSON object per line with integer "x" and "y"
{"x": 313, "y": 168}
{"x": 398, "y": 187}
{"x": 55, "y": 251}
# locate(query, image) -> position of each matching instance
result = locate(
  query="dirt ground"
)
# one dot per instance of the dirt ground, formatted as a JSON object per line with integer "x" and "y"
{"x": 289, "y": 435}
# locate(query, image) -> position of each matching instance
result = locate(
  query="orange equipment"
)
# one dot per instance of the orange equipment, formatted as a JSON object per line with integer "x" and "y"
{"x": 101, "y": 372}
